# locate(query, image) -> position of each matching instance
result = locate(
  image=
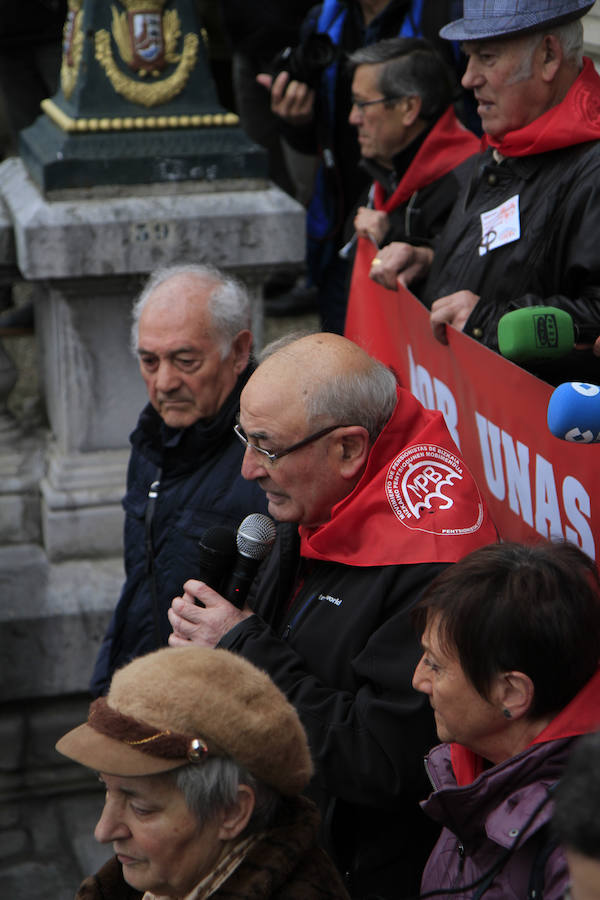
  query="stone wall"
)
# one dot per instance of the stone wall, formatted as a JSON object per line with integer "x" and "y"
{"x": 52, "y": 619}
{"x": 49, "y": 808}
{"x": 591, "y": 33}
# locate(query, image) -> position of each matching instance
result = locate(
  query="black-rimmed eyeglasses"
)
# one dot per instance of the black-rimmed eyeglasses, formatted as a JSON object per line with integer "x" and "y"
{"x": 272, "y": 455}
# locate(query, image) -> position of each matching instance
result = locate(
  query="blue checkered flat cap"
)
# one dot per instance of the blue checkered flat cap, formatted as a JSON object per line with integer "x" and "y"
{"x": 487, "y": 19}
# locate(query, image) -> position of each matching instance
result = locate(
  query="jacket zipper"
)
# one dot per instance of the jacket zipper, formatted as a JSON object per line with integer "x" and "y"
{"x": 460, "y": 847}
{"x": 461, "y": 855}
{"x": 429, "y": 775}
{"x": 294, "y": 621}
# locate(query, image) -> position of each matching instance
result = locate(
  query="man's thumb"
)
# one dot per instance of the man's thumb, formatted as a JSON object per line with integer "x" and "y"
{"x": 265, "y": 80}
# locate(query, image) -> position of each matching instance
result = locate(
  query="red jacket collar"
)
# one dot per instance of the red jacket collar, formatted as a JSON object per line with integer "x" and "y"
{"x": 580, "y": 716}
{"x": 573, "y": 121}
{"x": 447, "y": 145}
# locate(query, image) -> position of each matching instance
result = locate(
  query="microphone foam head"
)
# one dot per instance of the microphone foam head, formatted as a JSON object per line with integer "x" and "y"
{"x": 256, "y": 535}
{"x": 218, "y": 539}
{"x": 535, "y": 333}
{"x": 574, "y": 412}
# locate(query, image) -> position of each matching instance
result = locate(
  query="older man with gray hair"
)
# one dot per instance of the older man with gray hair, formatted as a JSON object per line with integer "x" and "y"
{"x": 372, "y": 501}
{"x": 523, "y": 230}
{"x": 191, "y": 334}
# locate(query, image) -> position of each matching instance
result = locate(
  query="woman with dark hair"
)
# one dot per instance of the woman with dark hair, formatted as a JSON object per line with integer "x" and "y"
{"x": 511, "y": 645}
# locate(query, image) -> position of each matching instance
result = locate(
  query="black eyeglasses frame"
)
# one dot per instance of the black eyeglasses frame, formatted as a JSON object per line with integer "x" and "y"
{"x": 272, "y": 456}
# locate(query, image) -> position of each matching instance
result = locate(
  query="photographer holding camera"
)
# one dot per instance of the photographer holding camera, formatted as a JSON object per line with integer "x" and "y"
{"x": 256, "y": 33}
{"x": 314, "y": 111}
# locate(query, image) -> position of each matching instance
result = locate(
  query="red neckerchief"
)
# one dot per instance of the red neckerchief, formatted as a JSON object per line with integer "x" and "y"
{"x": 575, "y": 120}
{"x": 416, "y": 501}
{"x": 447, "y": 145}
{"x": 580, "y": 716}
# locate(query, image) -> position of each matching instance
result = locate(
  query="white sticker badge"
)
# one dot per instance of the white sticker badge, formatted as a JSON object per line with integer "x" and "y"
{"x": 500, "y": 226}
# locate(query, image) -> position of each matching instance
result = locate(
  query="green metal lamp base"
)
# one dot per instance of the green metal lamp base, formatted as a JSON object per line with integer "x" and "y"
{"x": 57, "y": 159}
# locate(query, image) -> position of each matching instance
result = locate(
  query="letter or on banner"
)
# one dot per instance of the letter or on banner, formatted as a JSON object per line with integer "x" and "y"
{"x": 534, "y": 483}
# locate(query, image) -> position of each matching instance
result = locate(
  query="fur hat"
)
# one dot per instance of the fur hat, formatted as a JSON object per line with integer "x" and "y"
{"x": 486, "y": 19}
{"x": 179, "y": 705}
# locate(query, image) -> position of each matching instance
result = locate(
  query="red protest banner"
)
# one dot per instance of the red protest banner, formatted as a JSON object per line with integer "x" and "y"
{"x": 534, "y": 483}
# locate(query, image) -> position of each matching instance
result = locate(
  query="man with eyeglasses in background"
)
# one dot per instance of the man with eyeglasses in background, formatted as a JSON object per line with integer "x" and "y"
{"x": 410, "y": 141}
{"x": 372, "y": 501}
{"x": 313, "y": 113}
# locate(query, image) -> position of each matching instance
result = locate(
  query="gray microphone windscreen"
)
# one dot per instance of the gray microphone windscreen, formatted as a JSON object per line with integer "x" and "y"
{"x": 256, "y": 535}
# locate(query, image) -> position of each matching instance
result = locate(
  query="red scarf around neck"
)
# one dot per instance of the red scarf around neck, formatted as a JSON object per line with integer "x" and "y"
{"x": 416, "y": 501}
{"x": 575, "y": 120}
{"x": 580, "y": 716}
{"x": 447, "y": 145}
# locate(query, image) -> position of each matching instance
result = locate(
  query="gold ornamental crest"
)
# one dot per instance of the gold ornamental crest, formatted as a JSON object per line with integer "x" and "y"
{"x": 72, "y": 47}
{"x": 146, "y": 38}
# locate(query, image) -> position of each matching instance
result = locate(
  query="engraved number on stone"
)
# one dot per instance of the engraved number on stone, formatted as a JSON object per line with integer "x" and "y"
{"x": 150, "y": 232}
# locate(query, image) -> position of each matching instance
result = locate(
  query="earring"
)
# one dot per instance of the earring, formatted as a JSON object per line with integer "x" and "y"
{"x": 507, "y": 713}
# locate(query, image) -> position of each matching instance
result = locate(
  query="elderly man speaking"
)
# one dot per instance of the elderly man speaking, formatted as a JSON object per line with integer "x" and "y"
{"x": 523, "y": 230}
{"x": 372, "y": 500}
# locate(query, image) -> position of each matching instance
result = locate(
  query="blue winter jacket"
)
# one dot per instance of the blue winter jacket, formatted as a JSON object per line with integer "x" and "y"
{"x": 200, "y": 486}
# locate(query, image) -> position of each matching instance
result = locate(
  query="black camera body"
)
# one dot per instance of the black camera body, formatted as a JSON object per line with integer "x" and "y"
{"x": 307, "y": 61}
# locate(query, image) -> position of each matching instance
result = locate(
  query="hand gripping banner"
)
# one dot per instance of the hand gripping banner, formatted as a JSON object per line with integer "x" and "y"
{"x": 534, "y": 483}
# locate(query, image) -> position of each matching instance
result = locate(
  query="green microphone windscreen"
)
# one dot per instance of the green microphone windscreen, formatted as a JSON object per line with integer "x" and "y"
{"x": 535, "y": 332}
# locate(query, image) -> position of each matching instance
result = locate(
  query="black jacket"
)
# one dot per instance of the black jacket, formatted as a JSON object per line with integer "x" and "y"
{"x": 344, "y": 652}
{"x": 262, "y": 30}
{"x": 554, "y": 263}
{"x": 420, "y": 218}
{"x": 31, "y": 22}
{"x": 200, "y": 486}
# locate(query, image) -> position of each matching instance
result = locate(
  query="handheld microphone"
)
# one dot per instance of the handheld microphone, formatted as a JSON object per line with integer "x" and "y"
{"x": 217, "y": 553}
{"x": 254, "y": 539}
{"x": 574, "y": 412}
{"x": 541, "y": 333}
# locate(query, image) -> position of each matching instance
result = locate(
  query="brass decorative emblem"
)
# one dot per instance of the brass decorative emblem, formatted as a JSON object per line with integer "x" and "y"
{"x": 147, "y": 39}
{"x": 72, "y": 47}
{"x": 136, "y": 123}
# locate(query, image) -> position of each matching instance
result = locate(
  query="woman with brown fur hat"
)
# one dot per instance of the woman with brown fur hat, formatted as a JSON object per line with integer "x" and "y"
{"x": 203, "y": 760}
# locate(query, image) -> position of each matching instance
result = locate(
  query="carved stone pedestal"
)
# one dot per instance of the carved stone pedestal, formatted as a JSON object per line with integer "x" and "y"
{"x": 89, "y": 252}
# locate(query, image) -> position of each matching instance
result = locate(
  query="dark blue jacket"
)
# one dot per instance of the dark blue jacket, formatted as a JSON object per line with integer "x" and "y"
{"x": 200, "y": 486}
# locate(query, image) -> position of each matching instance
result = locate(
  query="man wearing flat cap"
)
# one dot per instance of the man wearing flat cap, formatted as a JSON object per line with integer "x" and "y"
{"x": 523, "y": 231}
